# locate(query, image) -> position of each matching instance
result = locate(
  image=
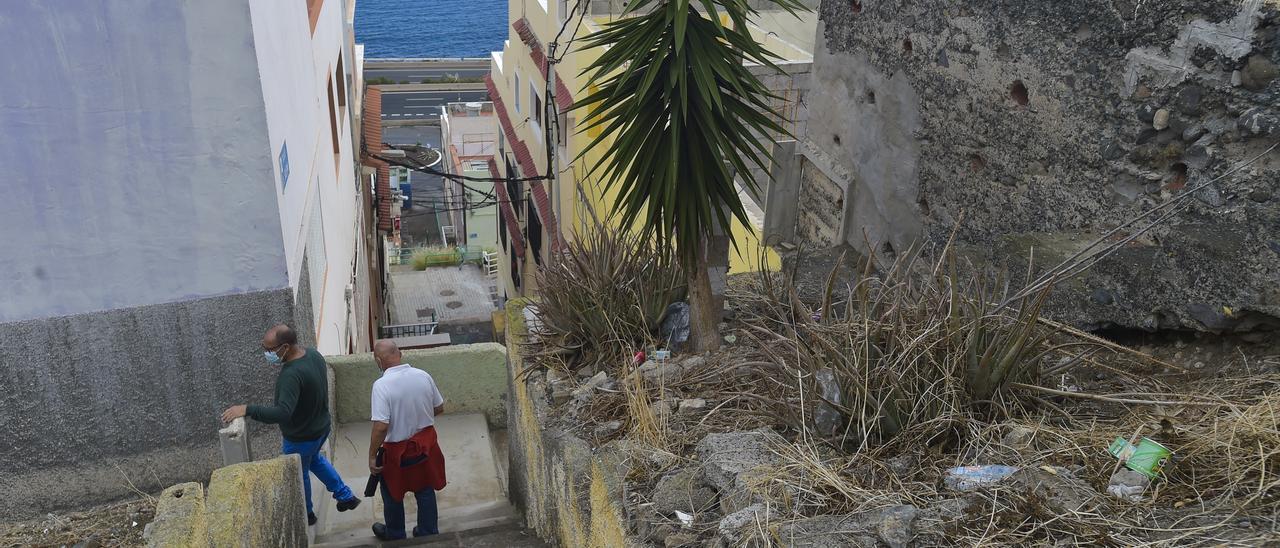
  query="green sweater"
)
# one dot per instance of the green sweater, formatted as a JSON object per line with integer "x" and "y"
{"x": 302, "y": 399}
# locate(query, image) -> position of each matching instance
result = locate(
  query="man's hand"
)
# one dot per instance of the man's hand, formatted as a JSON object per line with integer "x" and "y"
{"x": 373, "y": 467}
{"x": 232, "y": 413}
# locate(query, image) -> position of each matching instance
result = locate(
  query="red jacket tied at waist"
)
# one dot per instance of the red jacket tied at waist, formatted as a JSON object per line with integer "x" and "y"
{"x": 424, "y": 468}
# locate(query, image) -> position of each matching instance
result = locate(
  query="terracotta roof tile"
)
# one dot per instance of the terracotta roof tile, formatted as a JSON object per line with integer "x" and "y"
{"x": 563, "y": 98}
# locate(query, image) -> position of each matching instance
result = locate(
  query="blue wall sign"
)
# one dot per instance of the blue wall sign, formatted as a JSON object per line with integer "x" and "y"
{"x": 284, "y": 165}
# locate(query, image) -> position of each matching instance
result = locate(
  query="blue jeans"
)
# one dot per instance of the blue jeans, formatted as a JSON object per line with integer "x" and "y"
{"x": 393, "y": 513}
{"x": 314, "y": 463}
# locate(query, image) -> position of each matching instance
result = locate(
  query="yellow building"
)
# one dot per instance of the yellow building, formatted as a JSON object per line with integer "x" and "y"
{"x": 538, "y": 216}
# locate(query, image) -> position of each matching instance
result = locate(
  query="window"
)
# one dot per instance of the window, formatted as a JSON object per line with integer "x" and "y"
{"x": 562, "y": 132}
{"x": 562, "y": 10}
{"x": 342, "y": 84}
{"x": 537, "y": 104}
{"x": 517, "y": 88}
{"x": 333, "y": 117}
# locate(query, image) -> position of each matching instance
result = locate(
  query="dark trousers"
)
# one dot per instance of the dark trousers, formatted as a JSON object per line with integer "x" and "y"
{"x": 393, "y": 513}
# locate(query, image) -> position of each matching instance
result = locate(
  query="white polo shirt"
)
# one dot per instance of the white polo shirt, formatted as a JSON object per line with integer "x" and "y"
{"x": 405, "y": 398}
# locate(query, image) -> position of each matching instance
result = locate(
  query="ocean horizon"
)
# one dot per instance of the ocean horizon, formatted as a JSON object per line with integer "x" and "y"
{"x": 430, "y": 28}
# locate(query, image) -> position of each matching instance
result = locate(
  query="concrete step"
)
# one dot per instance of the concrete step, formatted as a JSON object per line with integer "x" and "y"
{"x": 502, "y": 536}
{"x": 475, "y": 497}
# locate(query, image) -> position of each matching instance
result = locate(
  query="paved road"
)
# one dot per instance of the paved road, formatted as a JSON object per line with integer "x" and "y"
{"x": 398, "y": 105}
{"x": 438, "y": 71}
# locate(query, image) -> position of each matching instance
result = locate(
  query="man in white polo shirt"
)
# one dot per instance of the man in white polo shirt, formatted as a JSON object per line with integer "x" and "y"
{"x": 405, "y": 404}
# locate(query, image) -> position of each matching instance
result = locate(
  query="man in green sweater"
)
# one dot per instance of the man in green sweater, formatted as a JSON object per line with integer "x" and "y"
{"x": 301, "y": 409}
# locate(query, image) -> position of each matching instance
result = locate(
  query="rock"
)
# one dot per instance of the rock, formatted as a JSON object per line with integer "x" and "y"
{"x": 1055, "y": 486}
{"x": 607, "y": 429}
{"x": 1126, "y": 483}
{"x": 586, "y": 372}
{"x": 738, "y": 526}
{"x": 1160, "y": 120}
{"x": 1102, "y": 297}
{"x": 742, "y": 494}
{"x": 691, "y": 405}
{"x": 1258, "y": 71}
{"x": 661, "y": 409}
{"x": 827, "y": 418}
{"x": 684, "y": 491}
{"x": 583, "y": 392}
{"x": 89, "y": 543}
{"x": 680, "y": 540}
{"x": 892, "y": 526}
{"x": 1146, "y": 113}
{"x": 1210, "y": 196}
{"x": 660, "y": 371}
{"x": 1189, "y": 100}
{"x": 1258, "y": 121}
{"x": 1019, "y": 437}
{"x": 726, "y": 455}
{"x": 1193, "y": 132}
{"x": 1260, "y": 195}
{"x": 560, "y": 395}
{"x": 692, "y": 363}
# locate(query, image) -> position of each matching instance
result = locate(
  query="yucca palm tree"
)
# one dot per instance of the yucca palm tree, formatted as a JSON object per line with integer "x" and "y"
{"x": 681, "y": 115}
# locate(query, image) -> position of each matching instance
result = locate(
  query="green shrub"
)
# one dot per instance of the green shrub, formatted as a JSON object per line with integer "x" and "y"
{"x": 436, "y": 256}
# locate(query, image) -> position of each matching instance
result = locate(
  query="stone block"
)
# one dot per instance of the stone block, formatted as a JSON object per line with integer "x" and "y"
{"x": 179, "y": 518}
{"x": 725, "y": 456}
{"x": 683, "y": 491}
{"x": 257, "y": 504}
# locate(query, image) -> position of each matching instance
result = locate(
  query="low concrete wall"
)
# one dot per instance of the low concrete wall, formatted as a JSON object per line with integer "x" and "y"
{"x": 472, "y": 377}
{"x": 570, "y": 495}
{"x": 250, "y": 504}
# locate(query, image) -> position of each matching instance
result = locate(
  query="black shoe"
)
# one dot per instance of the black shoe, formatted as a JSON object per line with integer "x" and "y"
{"x": 349, "y": 504}
{"x": 311, "y": 518}
{"x": 380, "y": 531}
{"x": 418, "y": 533}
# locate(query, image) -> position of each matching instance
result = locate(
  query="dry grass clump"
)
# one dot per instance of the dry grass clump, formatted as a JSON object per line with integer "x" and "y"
{"x": 913, "y": 348}
{"x": 604, "y": 297}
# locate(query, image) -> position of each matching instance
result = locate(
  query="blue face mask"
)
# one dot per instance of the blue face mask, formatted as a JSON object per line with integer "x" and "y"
{"x": 271, "y": 357}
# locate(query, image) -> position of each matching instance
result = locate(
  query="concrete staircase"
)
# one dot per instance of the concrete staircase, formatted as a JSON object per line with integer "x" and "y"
{"x": 473, "y": 508}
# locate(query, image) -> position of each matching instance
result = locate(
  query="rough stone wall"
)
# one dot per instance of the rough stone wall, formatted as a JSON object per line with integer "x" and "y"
{"x": 1046, "y": 124}
{"x": 95, "y": 402}
{"x": 571, "y": 495}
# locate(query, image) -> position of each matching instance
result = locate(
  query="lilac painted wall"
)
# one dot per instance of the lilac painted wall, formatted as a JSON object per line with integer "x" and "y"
{"x": 135, "y": 167}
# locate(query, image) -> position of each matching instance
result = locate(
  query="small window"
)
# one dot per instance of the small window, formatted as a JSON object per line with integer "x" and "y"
{"x": 333, "y": 116}
{"x": 537, "y": 104}
{"x": 517, "y": 88}
{"x": 342, "y": 81}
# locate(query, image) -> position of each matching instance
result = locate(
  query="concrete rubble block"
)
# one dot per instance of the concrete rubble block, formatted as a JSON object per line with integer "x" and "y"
{"x": 660, "y": 371}
{"x": 892, "y": 526}
{"x": 234, "y": 441}
{"x": 751, "y": 522}
{"x": 584, "y": 391}
{"x": 684, "y": 491}
{"x": 744, "y": 492}
{"x": 1057, "y": 487}
{"x": 179, "y": 518}
{"x": 726, "y": 455}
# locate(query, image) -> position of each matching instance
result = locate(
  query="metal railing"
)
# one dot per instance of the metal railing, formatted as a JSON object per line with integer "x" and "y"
{"x": 409, "y": 329}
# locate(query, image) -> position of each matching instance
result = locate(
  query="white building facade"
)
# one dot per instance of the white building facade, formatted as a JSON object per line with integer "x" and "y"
{"x": 178, "y": 176}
